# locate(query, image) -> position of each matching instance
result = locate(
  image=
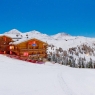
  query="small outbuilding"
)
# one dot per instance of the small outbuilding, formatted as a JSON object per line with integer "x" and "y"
{"x": 4, "y": 44}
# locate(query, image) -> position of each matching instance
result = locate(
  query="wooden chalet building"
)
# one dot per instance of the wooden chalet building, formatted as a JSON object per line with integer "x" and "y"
{"x": 30, "y": 48}
{"x": 4, "y": 44}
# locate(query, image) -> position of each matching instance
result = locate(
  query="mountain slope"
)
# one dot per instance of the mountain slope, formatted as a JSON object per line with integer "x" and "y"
{"x": 60, "y": 40}
{"x": 13, "y": 31}
{"x": 60, "y": 35}
{"x": 22, "y": 78}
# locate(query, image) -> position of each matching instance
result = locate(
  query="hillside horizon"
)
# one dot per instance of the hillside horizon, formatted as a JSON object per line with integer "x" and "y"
{"x": 14, "y": 31}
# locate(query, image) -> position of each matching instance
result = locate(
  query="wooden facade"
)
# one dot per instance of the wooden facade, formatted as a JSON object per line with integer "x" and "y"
{"x": 4, "y": 43}
{"x": 33, "y": 48}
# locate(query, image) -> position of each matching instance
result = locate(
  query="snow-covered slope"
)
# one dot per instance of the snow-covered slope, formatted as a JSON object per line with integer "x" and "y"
{"x": 36, "y": 34}
{"x": 13, "y": 31}
{"x": 60, "y": 35}
{"x": 63, "y": 40}
{"x": 23, "y": 78}
{"x": 59, "y": 40}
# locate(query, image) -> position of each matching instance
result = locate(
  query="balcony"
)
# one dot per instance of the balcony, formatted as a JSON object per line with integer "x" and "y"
{"x": 32, "y": 49}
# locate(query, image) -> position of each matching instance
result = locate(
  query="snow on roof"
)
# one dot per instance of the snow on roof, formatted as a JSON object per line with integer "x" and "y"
{"x": 11, "y": 35}
{"x": 25, "y": 39}
{"x": 6, "y": 36}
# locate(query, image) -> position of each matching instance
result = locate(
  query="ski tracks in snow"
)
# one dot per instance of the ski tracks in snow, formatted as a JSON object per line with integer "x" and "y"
{"x": 64, "y": 86}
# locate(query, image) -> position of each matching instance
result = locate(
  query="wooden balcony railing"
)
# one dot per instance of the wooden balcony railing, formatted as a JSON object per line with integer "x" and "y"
{"x": 32, "y": 49}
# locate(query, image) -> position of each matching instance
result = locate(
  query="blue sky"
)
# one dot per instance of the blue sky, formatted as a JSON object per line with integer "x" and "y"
{"x": 75, "y": 17}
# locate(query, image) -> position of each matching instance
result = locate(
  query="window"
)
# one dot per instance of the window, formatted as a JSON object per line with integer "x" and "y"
{"x": 25, "y": 53}
{"x": 11, "y": 47}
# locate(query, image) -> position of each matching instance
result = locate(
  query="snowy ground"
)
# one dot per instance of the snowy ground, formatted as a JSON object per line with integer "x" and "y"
{"x": 24, "y": 78}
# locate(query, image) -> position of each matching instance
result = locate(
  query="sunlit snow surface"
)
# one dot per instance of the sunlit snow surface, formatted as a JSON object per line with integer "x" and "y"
{"x": 24, "y": 78}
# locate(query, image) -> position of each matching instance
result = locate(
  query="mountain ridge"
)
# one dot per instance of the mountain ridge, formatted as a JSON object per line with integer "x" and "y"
{"x": 15, "y": 31}
{"x": 60, "y": 40}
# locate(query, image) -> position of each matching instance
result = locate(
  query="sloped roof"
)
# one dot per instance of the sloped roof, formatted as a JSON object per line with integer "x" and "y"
{"x": 6, "y": 36}
{"x": 11, "y": 35}
{"x": 23, "y": 40}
